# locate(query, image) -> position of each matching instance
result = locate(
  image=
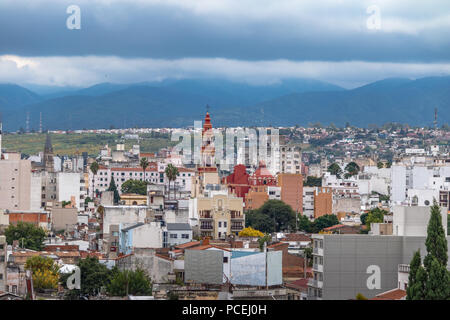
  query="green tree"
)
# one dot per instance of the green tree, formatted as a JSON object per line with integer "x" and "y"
{"x": 94, "y": 277}
{"x": 304, "y": 224}
{"x": 323, "y": 222}
{"x": 280, "y": 213}
{"x": 94, "y": 169}
{"x": 438, "y": 281}
{"x": 436, "y": 242}
{"x": 414, "y": 266}
{"x": 171, "y": 173}
{"x": 375, "y": 216}
{"x": 259, "y": 221}
{"x": 112, "y": 187}
{"x": 144, "y": 164}
{"x": 352, "y": 169}
{"x": 313, "y": 182}
{"x": 380, "y": 165}
{"x": 125, "y": 282}
{"x": 28, "y": 235}
{"x": 335, "y": 169}
{"x": 266, "y": 239}
{"x": 134, "y": 186}
{"x": 363, "y": 218}
{"x": 431, "y": 281}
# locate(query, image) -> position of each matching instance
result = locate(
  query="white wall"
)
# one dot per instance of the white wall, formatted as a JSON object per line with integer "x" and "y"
{"x": 413, "y": 220}
{"x": 69, "y": 186}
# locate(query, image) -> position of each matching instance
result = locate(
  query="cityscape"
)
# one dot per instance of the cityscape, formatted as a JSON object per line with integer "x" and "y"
{"x": 224, "y": 175}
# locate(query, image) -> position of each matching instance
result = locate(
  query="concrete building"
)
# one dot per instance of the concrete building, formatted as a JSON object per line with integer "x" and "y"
{"x": 291, "y": 159}
{"x": 345, "y": 265}
{"x": 141, "y": 235}
{"x": 178, "y": 233}
{"x": 15, "y": 183}
{"x": 114, "y": 217}
{"x": 160, "y": 268}
{"x": 3, "y": 262}
{"x": 413, "y": 220}
{"x": 64, "y": 218}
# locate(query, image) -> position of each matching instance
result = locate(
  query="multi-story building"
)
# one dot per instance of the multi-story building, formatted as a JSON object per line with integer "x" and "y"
{"x": 291, "y": 159}
{"x": 220, "y": 214}
{"x": 15, "y": 182}
{"x": 291, "y": 185}
{"x": 3, "y": 262}
{"x": 154, "y": 173}
{"x": 345, "y": 265}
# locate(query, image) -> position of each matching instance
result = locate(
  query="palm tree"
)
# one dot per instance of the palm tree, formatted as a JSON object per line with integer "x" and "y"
{"x": 144, "y": 164}
{"x": 94, "y": 168}
{"x": 171, "y": 173}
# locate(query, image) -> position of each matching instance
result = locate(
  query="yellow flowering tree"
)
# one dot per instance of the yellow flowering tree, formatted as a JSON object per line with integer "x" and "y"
{"x": 250, "y": 232}
{"x": 45, "y": 272}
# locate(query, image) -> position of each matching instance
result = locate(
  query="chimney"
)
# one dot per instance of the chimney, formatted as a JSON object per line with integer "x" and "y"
{"x": 205, "y": 241}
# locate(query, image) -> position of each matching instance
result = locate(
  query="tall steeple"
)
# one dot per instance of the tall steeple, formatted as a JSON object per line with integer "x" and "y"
{"x": 208, "y": 149}
{"x": 48, "y": 154}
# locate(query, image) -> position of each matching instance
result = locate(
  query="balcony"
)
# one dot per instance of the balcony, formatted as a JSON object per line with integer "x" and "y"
{"x": 206, "y": 227}
{"x": 318, "y": 267}
{"x": 312, "y": 283}
{"x": 318, "y": 251}
{"x": 404, "y": 268}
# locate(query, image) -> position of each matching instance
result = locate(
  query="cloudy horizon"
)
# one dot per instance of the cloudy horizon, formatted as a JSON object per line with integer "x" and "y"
{"x": 254, "y": 41}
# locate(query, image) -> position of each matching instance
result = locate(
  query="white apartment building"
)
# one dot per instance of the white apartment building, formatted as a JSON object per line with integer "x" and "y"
{"x": 154, "y": 173}
{"x": 290, "y": 159}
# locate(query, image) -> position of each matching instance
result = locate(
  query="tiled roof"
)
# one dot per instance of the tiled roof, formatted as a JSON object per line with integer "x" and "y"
{"x": 298, "y": 284}
{"x": 188, "y": 245}
{"x": 296, "y": 237}
{"x": 395, "y": 294}
{"x": 337, "y": 226}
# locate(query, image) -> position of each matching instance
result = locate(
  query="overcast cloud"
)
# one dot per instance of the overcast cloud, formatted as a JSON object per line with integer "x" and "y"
{"x": 246, "y": 40}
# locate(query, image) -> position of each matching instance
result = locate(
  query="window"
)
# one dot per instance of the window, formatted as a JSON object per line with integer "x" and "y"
{"x": 173, "y": 236}
{"x": 185, "y": 236}
{"x": 225, "y": 259}
{"x": 220, "y": 224}
{"x": 224, "y": 224}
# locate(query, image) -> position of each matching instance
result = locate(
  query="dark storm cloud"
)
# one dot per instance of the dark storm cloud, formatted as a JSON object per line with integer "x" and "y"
{"x": 240, "y": 30}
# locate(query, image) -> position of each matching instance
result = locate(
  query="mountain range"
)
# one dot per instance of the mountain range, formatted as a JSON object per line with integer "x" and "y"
{"x": 177, "y": 103}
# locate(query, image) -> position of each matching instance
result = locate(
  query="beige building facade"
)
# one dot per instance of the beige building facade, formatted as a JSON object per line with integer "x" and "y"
{"x": 220, "y": 215}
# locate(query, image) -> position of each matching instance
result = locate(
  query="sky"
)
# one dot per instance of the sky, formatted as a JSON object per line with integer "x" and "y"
{"x": 345, "y": 42}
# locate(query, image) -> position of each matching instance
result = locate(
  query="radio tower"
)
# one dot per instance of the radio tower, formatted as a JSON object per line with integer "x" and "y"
{"x": 40, "y": 122}
{"x": 27, "y": 123}
{"x": 435, "y": 118}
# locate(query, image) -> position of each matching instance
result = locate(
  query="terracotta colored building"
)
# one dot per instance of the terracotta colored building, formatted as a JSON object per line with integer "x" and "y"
{"x": 292, "y": 190}
{"x": 40, "y": 219}
{"x": 323, "y": 201}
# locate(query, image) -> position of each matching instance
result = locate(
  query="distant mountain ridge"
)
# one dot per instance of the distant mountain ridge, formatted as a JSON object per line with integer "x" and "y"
{"x": 177, "y": 103}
